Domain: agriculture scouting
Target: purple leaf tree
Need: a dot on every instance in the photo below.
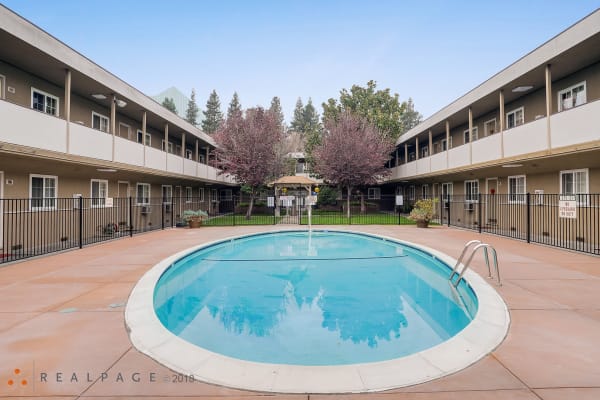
(352, 153)
(249, 149)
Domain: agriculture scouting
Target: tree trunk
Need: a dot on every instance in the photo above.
(362, 203)
(349, 190)
(249, 212)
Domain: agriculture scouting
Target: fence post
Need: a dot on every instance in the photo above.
(528, 205)
(130, 216)
(448, 202)
(80, 222)
(479, 211)
(162, 214)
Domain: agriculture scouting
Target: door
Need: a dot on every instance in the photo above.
(490, 201)
(123, 189)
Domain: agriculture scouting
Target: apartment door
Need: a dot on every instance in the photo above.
(491, 200)
(123, 189)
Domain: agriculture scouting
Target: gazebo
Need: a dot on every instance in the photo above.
(284, 183)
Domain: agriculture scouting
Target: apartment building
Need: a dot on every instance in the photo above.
(532, 128)
(70, 128)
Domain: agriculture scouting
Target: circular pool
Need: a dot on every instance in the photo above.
(320, 311)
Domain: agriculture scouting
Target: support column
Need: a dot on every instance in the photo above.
(182, 145)
(502, 119)
(113, 123)
(68, 107)
(405, 153)
(470, 136)
(144, 134)
(430, 149)
(417, 148)
(447, 142)
(166, 146)
(196, 156)
(548, 106)
(207, 152)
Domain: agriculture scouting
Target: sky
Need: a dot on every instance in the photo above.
(431, 51)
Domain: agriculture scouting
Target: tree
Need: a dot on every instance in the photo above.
(378, 106)
(169, 104)
(213, 117)
(191, 114)
(410, 118)
(298, 120)
(353, 153)
(249, 149)
(311, 130)
(276, 109)
(235, 107)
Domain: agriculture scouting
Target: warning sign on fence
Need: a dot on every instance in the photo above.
(567, 209)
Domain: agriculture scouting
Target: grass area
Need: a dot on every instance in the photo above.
(365, 219)
(230, 220)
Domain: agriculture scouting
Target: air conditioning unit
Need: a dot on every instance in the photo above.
(168, 208)
(146, 210)
(469, 206)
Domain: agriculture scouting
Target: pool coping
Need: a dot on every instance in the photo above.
(487, 330)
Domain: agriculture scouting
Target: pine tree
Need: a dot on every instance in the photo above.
(276, 109)
(169, 104)
(235, 107)
(213, 117)
(191, 114)
(298, 121)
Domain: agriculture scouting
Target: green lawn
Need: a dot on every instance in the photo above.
(230, 220)
(365, 219)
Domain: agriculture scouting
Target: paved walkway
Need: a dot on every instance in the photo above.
(62, 332)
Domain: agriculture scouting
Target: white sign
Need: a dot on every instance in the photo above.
(399, 200)
(567, 209)
(286, 201)
(311, 200)
(108, 202)
(270, 201)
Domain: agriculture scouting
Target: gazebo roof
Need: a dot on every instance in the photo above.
(295, 180)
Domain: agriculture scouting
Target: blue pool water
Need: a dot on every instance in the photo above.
(326, 298)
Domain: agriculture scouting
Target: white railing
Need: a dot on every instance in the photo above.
(87, 142)
(175, 163)
(487, 149)
(189, 167)
(577, 125)
(439, 162)
(524, 139)
(423, 166)
(458, 156)
(155, 158)
(27, 127)
(129, 152)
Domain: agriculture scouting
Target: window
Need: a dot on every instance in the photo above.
(214, 196)
(44, 102)
(471, 191)
(201, 194)
(99, 192)
(124, 130)
(374, 193)
(188, 154)
(167, 194)
(201, 159)
(572, 97)
(411, 192)
(516, 189)
(42, 191)
(226, 195)
(446, 193)
(178, 149)
(170, 146)
(411, 157)
(425, 191)
(574, 183)
(489, 127)
(148, 138)
(143, 193)
(444, 144)
(515, 118)
(188, 194)
(475, 135)
(425, 151)
(100, 122)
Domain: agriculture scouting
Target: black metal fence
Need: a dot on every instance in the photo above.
(31, 227)
(570, 222)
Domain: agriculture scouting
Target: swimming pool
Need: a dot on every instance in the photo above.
(339, 311)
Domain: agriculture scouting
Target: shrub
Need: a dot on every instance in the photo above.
(423, 210)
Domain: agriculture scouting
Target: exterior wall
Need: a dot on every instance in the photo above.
(591, 75)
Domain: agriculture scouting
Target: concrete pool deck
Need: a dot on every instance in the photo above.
(62, 331)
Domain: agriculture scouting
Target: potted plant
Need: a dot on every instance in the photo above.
(423, 212)
(194, 217)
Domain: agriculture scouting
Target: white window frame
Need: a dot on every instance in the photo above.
(411, 192)
(189, 194)
(444, 144)
(374, 193)
(485, 127)
(178, 150)
(121, 124)
(189, 154)
(201, 194)
(171, 146)
(144, 196)
(582, 198)
(514, 112)
(226, 194)
(44, 199)
(472, 196)
(214, 196)
(167, 198)
(424, 151)
(517, 198)
(447, 187)
(466, 135)
(98, 202)
(573, 99)
(424, 191)
(57, 114)
(148, 137)
(101, 118)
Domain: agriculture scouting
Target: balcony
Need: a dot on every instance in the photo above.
(527, 138)
(577, 125)
(87, 142)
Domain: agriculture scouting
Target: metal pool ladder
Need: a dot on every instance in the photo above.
(478, 245)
